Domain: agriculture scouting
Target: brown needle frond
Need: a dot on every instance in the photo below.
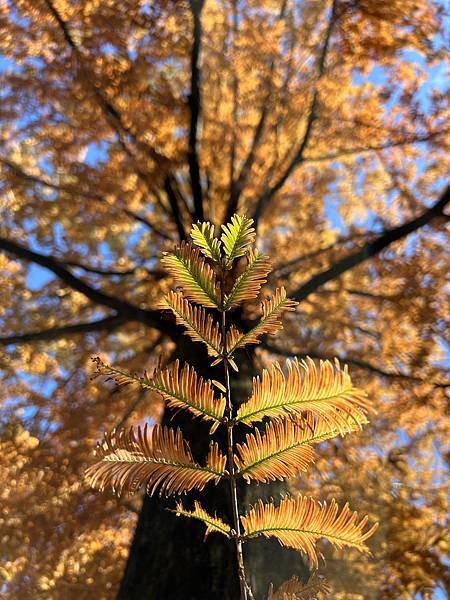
(326, 390)
(200, 326)
(293, 589)
(193, 274)
(283, 450)
(320, 429)
(248, 285)
(212, 523)
(272, 310)
(182, 389)
(216, 461)
(156, 458)
(299, 522)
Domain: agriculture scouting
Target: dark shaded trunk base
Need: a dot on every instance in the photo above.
(169, 560)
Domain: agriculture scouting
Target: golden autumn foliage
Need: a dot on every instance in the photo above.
(326, 122)
(162, 459)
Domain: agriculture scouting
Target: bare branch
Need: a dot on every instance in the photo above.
(312, 116)
(357, 362)
(173, 201)
(157, 273)
(288, 266)
(125, 309)
(43, 181)
(375, 148)
(113, 116)
(238, 185)
(195, 108)
(373, 248)
(232, 203)
(55, 333)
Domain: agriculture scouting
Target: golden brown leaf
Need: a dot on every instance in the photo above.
(272, 310)
(155, 458)
(193, 274)
(182, 389)
(315, 589)
(212, 523)
(327, 391)
(299, 522)
(199, 325)
(248, 285)
(283, 450)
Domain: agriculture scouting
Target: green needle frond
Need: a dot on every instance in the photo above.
(248, 285)
(193, 274)
(237, 237)
(203, 236)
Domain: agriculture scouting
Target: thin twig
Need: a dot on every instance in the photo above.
(230, 448)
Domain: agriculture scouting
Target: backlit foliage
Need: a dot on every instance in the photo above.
(326, 390)
(129, 460)
(161, 460)
(299, 522)
(316, 588)
(182, 389)
(327, 145)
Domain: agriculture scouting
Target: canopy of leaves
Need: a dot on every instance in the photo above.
(327, 123)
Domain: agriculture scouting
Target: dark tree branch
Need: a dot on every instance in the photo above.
(156, 274)
(361, 293)
(173, 201)
(195, 108)
(232, 204)
(141, 219)
(238, 185)
(55, 333)
(123, 308)
(371, 249)
(19, 172)
(113, 117)
(298, 158)
(357, 362)
(288, 266)
(375, 148)
(112, 114)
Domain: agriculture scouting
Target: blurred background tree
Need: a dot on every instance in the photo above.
(122, 123)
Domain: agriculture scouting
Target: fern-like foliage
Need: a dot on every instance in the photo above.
(203, 236)
(316, 588)
(213, 523)
(199, 325)
(285, 447)
(237, 237)
(299, 522)
(270, 323)
(248, 285)
(327, 390)
(193, 274)
(305, 406)
(155, 458)
(283, 450)
(181, 388)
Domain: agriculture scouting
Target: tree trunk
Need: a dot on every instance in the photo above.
(169, 558)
